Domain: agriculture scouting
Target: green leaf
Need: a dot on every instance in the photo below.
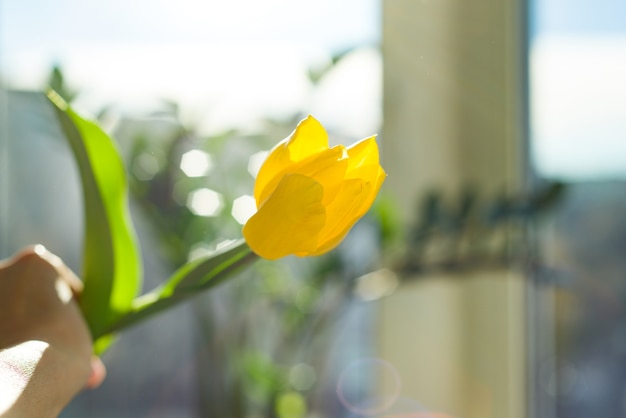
(207, 271)
(111, 259)
(192, 278)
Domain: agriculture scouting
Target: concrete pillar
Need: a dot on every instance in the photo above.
(453, 115)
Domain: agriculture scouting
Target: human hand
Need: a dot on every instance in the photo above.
(45, 345)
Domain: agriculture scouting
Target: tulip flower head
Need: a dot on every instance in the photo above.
(309, 196)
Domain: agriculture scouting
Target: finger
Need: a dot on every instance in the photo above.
(98, 373)
(64, 271)
(72, 280)
(24, 252)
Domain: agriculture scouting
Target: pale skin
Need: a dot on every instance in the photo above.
(45, 346)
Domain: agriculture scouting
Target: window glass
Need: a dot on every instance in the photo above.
(577, 59)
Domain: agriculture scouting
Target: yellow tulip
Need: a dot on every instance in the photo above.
(309, 196)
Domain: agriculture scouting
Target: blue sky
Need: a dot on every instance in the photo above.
(578, 17)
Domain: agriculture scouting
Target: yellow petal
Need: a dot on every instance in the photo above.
(330, 174)
(352, 202)
(376, 183)
(343, 213)
(308, 139)
(290, 219)
(364, 152)
(327, 167)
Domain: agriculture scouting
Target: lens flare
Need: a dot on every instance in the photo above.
(369, 386)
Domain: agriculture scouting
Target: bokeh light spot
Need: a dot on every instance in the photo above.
(243, 208)
(256, 161)
(205, 202)
(290, 405)
(354, 387)
(302, 376)
(196, 163)
(145, 166)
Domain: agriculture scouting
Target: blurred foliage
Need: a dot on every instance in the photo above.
(469, 231)
(266, 339)
(258, 330)
(286, 315)
(56, 82)
(316, 74)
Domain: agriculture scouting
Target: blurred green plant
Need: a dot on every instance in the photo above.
(470, 232)
(291, 312)
(272, 356)
(302, 303)
(112, 265)
(56, 82)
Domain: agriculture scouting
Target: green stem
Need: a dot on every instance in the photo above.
(187, 282)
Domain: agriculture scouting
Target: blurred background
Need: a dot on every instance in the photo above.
(487, 280)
